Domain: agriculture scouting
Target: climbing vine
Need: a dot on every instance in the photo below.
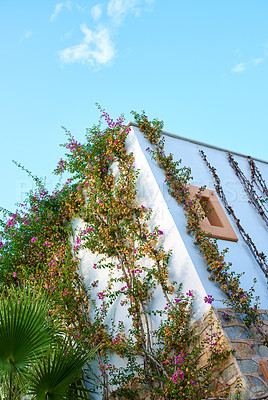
(256, 177)
(249, 189)
(177, 179)
(39, 245)
(260, 257)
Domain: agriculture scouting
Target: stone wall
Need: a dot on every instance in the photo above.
(244, 369)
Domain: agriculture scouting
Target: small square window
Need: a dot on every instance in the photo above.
(216, 222)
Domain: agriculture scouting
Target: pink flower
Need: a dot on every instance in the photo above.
(179, 372)
(33, 239)
(14, 274)
(189, 293)
(100, 295)
(208, 299)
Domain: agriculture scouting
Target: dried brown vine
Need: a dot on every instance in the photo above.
(260, 257)
(249, 189)
(257, 178)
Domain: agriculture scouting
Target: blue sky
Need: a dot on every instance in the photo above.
(201, 66)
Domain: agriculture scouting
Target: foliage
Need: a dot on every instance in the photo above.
(57, 376)
(36, 249)
(177, 179)
(35, 357)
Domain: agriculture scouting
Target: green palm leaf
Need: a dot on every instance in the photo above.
(24, 333)
(35, 357)
(56, 377)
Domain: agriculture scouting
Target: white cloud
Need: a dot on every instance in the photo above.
(96, 49)
(118, 9)
(257, 61)
(96, 12)
(58, 8)
(27, 34)
(56, 11)
(79, 8)
(68, 34)
(254, 62)
(239, 68)
(249, 64)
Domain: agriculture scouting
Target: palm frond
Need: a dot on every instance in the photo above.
(24, 333)
(55, 377)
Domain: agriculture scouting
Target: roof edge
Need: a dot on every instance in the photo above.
(130, 123)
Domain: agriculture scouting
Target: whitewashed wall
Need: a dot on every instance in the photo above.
(186, 265)
(239, 254)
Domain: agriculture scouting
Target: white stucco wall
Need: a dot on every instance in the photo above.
(239, 253)
(187, 264)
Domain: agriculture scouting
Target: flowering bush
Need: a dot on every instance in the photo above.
(177, 178)
(35, 248)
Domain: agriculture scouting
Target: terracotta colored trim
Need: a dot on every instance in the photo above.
(216, 222)
(264, 368)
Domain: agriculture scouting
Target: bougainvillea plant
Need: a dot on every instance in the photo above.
(38, 245)
(177, 178)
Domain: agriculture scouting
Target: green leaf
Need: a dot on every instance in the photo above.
(24, 333)
(55, 377)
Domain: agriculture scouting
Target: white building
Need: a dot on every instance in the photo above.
(247, 245)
